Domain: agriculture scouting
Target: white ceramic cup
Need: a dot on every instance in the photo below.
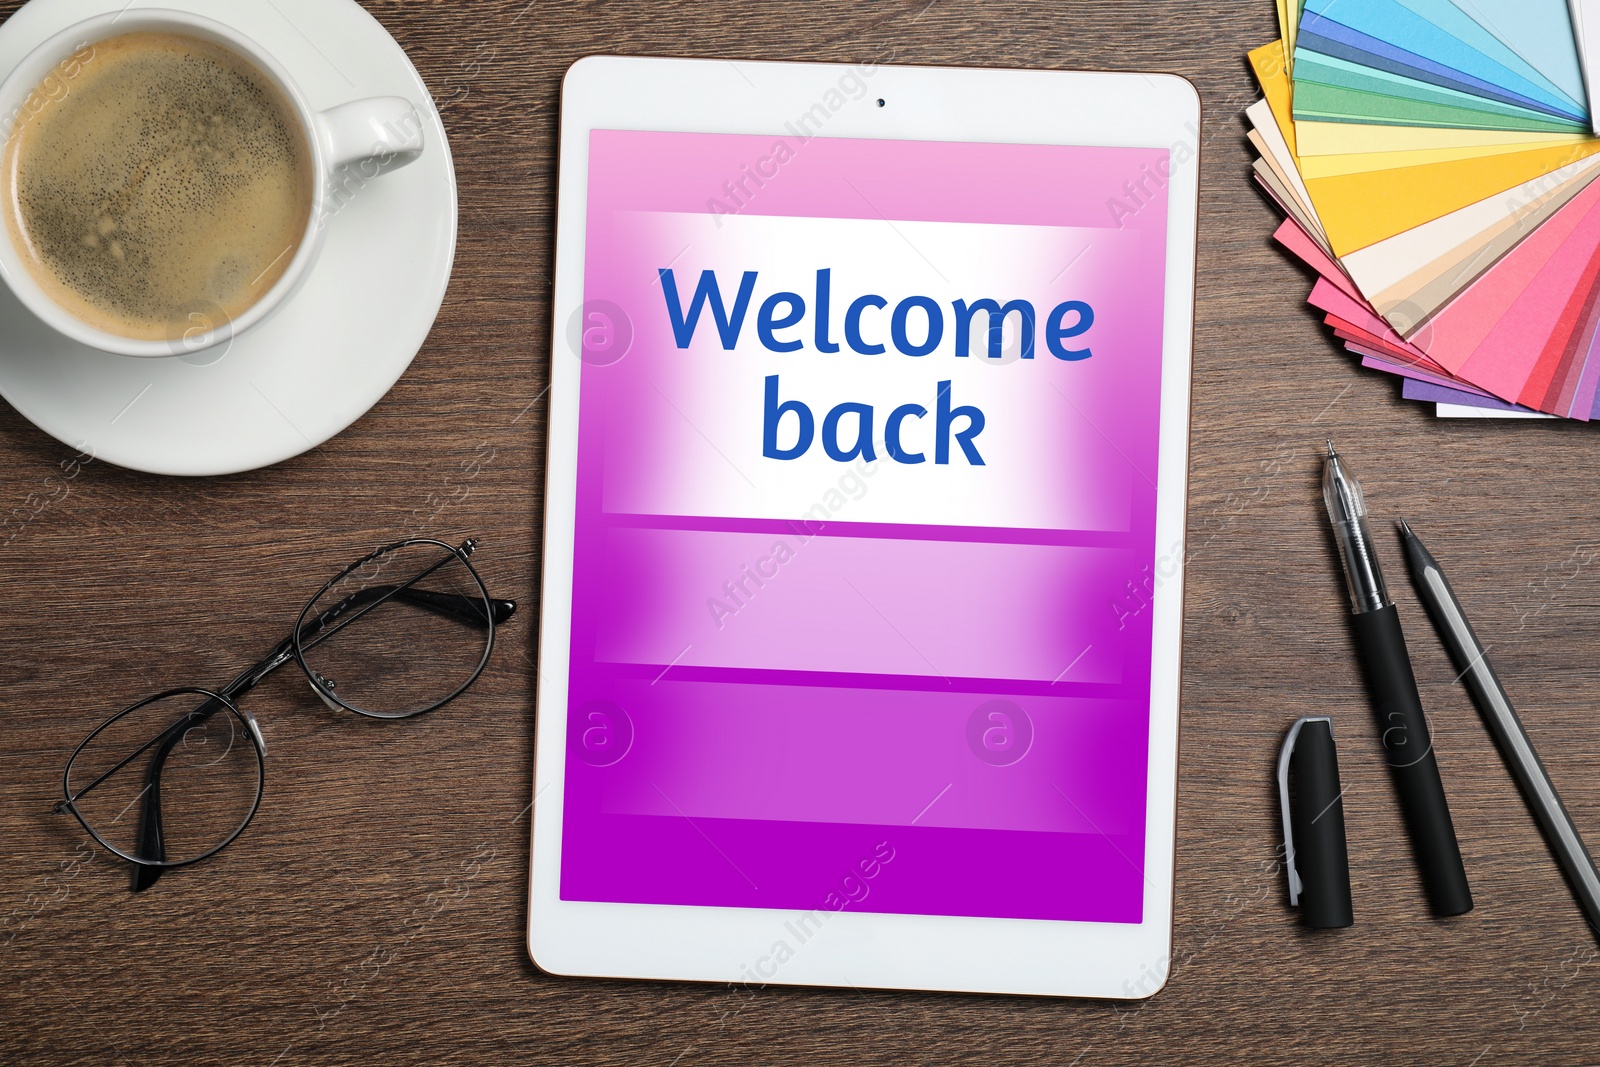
(350, 145)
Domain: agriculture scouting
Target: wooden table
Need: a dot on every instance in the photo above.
(375, 910)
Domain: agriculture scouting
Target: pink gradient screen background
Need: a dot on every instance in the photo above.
(953, 660)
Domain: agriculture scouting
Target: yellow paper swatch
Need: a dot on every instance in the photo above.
(1364, 162)
(1357, 210)
(1348, 138)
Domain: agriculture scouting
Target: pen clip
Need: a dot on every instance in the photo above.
(1296, 887)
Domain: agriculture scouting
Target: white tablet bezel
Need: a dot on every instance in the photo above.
(861, 949)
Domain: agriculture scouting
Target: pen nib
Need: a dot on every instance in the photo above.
(1331, 453)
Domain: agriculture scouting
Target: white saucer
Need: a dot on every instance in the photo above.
(324, 358)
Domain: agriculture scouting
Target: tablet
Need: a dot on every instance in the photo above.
(863, 544)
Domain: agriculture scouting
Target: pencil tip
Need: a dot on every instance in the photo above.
(1406, 526)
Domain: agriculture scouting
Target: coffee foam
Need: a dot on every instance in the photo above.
(166, 188)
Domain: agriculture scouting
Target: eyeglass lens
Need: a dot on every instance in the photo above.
(183, 764)
(399, 634)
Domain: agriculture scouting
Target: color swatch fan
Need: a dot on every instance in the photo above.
(1437, 162)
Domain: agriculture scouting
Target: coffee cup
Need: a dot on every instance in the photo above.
(338, 149)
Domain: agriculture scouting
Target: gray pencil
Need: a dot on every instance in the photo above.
(1490, 696)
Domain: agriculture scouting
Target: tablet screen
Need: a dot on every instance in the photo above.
(865, 525)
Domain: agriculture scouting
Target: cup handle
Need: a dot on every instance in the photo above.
(372, 136)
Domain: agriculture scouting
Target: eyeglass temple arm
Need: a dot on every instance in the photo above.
(466, 609)
(150, 842)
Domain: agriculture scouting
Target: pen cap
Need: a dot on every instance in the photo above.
(1315, 854)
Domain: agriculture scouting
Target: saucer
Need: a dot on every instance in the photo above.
(325, 357)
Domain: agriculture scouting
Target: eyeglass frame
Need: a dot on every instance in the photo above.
(291, 647)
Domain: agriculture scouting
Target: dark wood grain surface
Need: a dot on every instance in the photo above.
(375, 910)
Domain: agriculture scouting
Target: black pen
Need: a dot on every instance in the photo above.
(1407, 745)
(1471, 659)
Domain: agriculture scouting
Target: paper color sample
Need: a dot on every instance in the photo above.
(1321, 101)
(1542, 32)
(1410, 276)
(1329, 166)
(1391, 36)
(1539, 33)
(1293, 236)
(1444, 32)
(1482, 232)
(1412, 389)
(1465, 261)
(1279, 195)
(1328, 297)
(1289, 22)
(1351, 138)
(1526, 329)
(1285, 183)
(1381, 349)
(1468, 260)
(1379, 359)
(1277, 146)
(1491, 326)
(1586, 22)
(1462, 411)
(1358, 210)
(1361, 94)
(1550, 384)
(810, 660)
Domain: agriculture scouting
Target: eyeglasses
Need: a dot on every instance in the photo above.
(177, 777)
